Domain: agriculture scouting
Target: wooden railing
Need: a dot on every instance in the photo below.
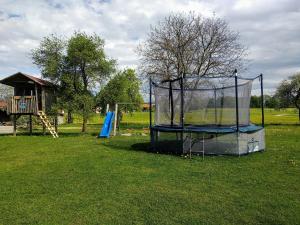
(22, 105)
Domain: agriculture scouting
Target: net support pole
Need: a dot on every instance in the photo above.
(262, 100)
(150, 114)
(182, 103)
(237, 109)
(182, 112)
(171, 103)
(150, 102)
(236, 101)
(215, 95)
(116, 119)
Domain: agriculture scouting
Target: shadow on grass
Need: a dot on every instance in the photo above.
(143, 147)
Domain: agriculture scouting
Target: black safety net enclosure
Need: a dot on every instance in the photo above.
(205, 115)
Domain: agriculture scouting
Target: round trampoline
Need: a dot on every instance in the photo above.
(206, 115)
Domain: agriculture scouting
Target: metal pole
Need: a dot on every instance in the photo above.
(171, 101)
(150, 116)
(182, 112)
(262, 100)
(215, 92)
(116, 119)
(150, 102)
(236, 101)
(203, 146)
(182, 103)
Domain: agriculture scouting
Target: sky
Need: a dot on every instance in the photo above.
(270, 29)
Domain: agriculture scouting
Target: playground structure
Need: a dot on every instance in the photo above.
(115, 115)
(206, 115)
(107, 125)
(33, 97)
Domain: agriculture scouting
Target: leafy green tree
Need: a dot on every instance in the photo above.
(77, 66)
(85, 55)
(271, 102)
(255, 101)
(50, 58)
(288, 92)
(124, 87)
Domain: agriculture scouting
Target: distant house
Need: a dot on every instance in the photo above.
(146, 106)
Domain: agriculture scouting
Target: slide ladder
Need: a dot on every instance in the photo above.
(47, 124)
(107, 126)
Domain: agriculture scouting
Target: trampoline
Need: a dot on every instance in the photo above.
(206, 115)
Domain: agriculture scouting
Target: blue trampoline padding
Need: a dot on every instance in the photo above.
(250, 128)
(209, 129)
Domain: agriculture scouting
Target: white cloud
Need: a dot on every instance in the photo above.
(270, 29)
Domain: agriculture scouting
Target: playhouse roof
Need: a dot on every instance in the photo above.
(22, 78)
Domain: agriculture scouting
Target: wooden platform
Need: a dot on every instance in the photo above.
(6, 129)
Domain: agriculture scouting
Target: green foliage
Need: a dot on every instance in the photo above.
(123, 88)
(288, 92)
(269, 101)
(50, 58)
(76, 65)
(85, 55)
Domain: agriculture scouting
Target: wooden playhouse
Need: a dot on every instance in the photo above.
(33, 97)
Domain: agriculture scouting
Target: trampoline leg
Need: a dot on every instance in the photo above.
(190, 145)
(202, 146)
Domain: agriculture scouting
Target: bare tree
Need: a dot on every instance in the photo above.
(6, 91)
(184, 44)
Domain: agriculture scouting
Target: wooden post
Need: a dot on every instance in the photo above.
(55, 123)
(15, 124)
(43, 100)
(107, 108)
(30, 124)
(36, 98)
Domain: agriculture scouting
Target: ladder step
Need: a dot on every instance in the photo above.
(47, 124)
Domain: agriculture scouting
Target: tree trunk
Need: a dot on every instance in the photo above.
(70, 118)
(84, 123)
(299, 114)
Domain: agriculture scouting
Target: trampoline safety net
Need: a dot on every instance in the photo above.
(205, 116)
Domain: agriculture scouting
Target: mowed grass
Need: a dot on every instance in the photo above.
(79, 179)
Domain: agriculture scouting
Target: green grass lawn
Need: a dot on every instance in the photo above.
(79, 179)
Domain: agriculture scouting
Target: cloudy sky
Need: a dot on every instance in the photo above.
(269, 28)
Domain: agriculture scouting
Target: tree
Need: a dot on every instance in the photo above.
(288, 92)
(184, 44)
(271, 102)
(124, 87)
(255, 101)
(6, 91)
(77, 66)
(86, 57)
(50, 58)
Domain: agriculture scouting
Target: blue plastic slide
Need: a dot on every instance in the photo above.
(107, 126)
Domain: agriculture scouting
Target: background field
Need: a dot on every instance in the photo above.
(79, 179)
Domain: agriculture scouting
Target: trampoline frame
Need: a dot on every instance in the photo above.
(206, 129)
